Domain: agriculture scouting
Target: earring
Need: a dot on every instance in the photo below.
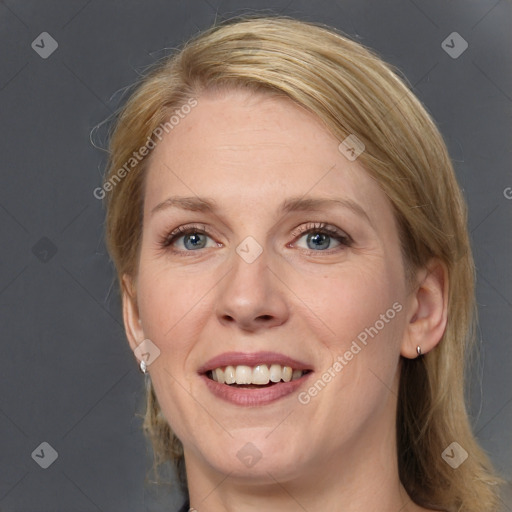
(418, 350)
(147, 377)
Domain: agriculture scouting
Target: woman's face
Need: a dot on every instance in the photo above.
(296, 264)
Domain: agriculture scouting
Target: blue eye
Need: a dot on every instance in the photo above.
(319, 240)
(321, 235)
(194, 241)
(194, 237)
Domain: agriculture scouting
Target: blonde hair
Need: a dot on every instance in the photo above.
(353, 92)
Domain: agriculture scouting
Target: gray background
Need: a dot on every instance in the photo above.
(67, 375)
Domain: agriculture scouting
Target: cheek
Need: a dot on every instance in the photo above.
(348, 301)
(365, 311)
(173, 307)
(172, 304)
(360, 312)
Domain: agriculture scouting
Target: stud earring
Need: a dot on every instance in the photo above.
(418, 350)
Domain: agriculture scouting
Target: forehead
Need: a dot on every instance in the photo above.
(251, 149)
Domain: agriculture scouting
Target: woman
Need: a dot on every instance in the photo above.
(297, 278)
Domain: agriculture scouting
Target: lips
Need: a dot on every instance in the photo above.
(253, 378)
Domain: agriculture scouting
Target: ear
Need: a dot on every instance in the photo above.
(131, 318)
(427, 311)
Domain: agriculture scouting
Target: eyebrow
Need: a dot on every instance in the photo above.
(292, 204)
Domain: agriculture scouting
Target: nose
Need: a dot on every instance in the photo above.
(252, 297)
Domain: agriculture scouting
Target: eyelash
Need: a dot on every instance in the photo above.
(345, 240)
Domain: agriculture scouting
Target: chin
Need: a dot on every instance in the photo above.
(257, 458)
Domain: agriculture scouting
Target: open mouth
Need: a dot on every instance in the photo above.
(254, 377)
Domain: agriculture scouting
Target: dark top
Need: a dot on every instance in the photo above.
(185, 507)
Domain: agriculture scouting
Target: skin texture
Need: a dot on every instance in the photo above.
(249, 151)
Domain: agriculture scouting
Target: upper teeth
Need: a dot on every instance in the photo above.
(260, 374)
